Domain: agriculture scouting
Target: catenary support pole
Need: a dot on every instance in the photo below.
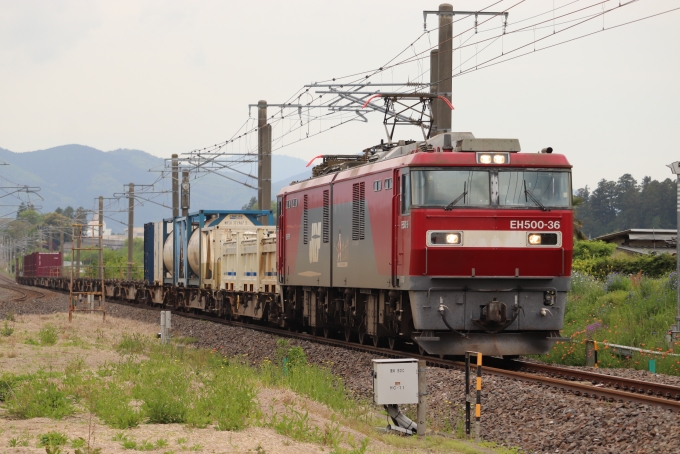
(264, 160)
(445, 60)
(186, 198)
(61, 250)
(175, 186)
(131, 227)
(675, 336)
(422, 398)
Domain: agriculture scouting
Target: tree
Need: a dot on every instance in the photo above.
(69, 212)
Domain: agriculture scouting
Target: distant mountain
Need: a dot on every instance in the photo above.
(75, 175)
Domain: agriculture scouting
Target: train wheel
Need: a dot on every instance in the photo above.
(392, 342)
(362, 337)
(376, 340)
(326, 332)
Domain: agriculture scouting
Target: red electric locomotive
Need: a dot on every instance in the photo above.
(456, 243)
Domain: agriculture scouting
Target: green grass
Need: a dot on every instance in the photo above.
(6, 330)
(635, 311)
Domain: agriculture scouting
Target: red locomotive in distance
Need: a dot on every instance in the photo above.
(456, 243)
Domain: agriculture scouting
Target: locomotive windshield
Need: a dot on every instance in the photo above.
(455, 188)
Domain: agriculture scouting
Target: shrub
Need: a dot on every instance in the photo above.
(48, 335)
(593, 249)
(656, 265)
(616, 281)
(7, 330)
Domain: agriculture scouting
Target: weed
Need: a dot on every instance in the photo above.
(129, 444)
(88, 450)
(296, 427)
(10, 316)
(31, 341)
(146, 446)
(132, 344)
(181, 441)
(52, 439)
(39, 397)
(196, 447)
(48, 335)
(161, 443)
(6, 331)
(20, 441)
(78, 442)
(120, 436)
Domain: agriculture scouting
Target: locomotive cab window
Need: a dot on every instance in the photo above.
(534, 188)
(451, 188)
(405, 194)
(377, 185)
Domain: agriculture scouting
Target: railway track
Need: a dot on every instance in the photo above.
(8, 284)
(586, 384)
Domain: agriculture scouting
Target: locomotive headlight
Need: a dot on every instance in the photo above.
(485, 159)
(499, 159)
(534, 238)
(453, 238)
(444, 238)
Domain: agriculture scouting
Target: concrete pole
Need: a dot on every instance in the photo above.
(434, 83)
(422, 398)
(175, 186)
(131, 225)
(100, 274)
(264, 161)
(49, 240)
(445, 66)
(185, 193)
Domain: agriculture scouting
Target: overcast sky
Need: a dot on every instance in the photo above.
(170, 76)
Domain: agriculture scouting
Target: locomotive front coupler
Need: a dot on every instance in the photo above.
(493, 317)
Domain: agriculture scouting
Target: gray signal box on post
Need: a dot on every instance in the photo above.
(395, 381)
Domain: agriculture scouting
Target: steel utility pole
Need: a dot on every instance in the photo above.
(185, 193)
(175, 186)
(100, 274)
(131, 226)
(675, 329)
(264, 162)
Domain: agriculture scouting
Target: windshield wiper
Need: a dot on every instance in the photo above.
(528, 193)
(449, 207)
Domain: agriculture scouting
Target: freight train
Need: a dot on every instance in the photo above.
(454, 243)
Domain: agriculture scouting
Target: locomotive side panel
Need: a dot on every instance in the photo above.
(355, 262)
(307, 246)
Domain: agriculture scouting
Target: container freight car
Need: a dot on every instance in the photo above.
(42, 264)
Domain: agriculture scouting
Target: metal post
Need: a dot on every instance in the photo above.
(100, 274)
(445, 60)
(185, 193)
(79, 231)
(61, 249)
(264, 161)
(422, 398)
(49, 240)
(675, 335)
(131, 225)
(467, 393)
(434, 84)
(478, 405)
(175, 186)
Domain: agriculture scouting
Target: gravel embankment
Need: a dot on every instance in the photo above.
(515, 414)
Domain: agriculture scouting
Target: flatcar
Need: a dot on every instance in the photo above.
(454, 243)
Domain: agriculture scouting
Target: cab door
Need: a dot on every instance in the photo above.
(401, 212)
(281, 240)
